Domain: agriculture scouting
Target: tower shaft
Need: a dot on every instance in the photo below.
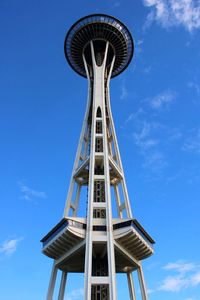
(102, 154)
(99, 175)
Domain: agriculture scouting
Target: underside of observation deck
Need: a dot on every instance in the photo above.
(66, 244)
(99, 28)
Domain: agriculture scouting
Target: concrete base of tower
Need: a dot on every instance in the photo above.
(65, 243)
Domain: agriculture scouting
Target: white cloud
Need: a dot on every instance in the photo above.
(140, 136)
(185, 275)
(143, 142)
(174, 13)
(163, 100)
(153, 139)
(173, 284)
(28, 193)
(195, 279)
(180, 267)
(143, 138)
(148, 146)
(8, 247)
(75, 295)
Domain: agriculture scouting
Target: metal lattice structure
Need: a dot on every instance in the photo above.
(98, 47)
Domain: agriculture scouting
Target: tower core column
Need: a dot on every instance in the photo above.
(99, 169)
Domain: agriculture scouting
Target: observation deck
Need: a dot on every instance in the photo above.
(98, 28)
(66, 243)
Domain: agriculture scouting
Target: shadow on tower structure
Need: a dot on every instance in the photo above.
(98, 47)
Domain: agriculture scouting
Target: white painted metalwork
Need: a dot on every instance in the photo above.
(142, 283)
(95, 242)
(131, 286)
(62, 286)
(52, 283)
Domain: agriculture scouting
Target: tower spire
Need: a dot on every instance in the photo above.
(98, 47)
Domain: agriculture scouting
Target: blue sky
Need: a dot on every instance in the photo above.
(156, 107)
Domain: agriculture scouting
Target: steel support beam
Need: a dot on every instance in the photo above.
(52, 283)
(142, 283)
(131, 286)
(62, 286)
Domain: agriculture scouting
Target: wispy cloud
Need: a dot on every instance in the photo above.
(30, 194)
(162, 100)
(173, 284)
(192, 142)
(180, 267)
(138, 46)
(184, 275)
(134, 116)
(8, 247)
(124, 91)
(143, 139)
(75, 295)
(148, 145)
(152, 138)
(169, 13)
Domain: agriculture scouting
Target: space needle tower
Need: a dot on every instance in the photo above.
(104, 238)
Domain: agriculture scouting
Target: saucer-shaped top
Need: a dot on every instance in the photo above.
(98, 27)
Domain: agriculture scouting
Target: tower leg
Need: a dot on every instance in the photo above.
(62, 286)
(52, 283)
(131, 286)
(142, 284)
